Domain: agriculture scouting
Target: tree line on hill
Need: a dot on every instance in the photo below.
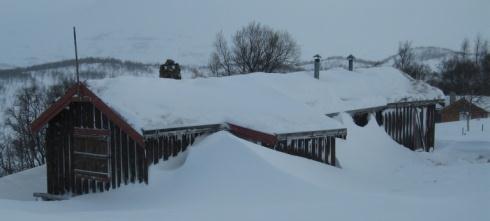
(465, 73)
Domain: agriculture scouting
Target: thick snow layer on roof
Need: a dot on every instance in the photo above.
(247, 100)
(272, 103)
(342, 90)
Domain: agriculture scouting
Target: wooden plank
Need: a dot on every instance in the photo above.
(328, 150)
(332, 154)
(132, 160)
(85, 186)
(139, 156)
(118, 156)
(90, 132)
(166, 148)
(114, 168)
(174, 145)
(97, 118)
(160, 148)
(124, 157)
(93, 185)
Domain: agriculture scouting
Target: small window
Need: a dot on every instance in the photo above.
(91, 153)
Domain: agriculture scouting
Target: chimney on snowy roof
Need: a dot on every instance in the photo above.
(351, 58)
(317, 66)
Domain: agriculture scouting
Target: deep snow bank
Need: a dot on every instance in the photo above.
(20, 186)
(226, 178)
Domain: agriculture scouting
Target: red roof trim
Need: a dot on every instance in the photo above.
(64, 101)
(54, 109)
(246, 133)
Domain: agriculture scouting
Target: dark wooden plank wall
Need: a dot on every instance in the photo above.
(411, 126)
(128, 158)
(321, 149)
(166, 145)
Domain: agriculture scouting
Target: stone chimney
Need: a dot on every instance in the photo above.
(170, 70)
(351, 58)
(317, 66)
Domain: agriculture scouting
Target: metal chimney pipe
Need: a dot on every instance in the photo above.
(317, 66)
(351, 58)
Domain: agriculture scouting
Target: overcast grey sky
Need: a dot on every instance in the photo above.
(151, 30)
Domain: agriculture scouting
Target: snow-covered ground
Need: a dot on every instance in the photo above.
(226, 178)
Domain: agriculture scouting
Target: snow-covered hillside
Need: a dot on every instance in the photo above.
(430, 56)
(35, 32)
(49, 74)
(226, 178)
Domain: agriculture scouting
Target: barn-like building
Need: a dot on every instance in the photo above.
(460, 108)
(106, 133)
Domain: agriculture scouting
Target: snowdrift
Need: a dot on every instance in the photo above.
(226, 178)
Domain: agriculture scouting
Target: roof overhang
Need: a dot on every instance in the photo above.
(209, 128)
(389, 105)
(80, 93)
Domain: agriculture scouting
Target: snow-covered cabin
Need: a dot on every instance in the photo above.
(405, 107)
(106, 132)
(461, 107)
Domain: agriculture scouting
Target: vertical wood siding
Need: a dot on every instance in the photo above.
(127, 162)
(410, 126)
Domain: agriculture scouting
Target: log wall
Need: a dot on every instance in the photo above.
(165, 143)
(410, 126)
(321, 149)
(126, 158)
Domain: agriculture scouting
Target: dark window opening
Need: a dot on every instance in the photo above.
(361, 119)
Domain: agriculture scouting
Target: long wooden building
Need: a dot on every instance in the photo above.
(95, 143)
(106, 133)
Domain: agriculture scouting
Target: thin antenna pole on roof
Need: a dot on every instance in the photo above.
(76, 54)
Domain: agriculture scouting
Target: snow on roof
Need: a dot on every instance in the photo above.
(274, 103)
(341, 90)
(246, 100)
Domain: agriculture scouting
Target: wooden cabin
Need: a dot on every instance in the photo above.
(107, 133)
(96, 144)
(403, 106)
(461, 109)
(411, 124)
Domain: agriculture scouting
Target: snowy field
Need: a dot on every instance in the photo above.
(226, 178)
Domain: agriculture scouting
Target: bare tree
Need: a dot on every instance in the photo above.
(255, 48)
(465, 48)
(27, 147)
(221, 59)
(22, 149)
(405, 57)
(405, 61)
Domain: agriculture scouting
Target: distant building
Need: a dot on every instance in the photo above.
(460, 109)
(170, 69)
